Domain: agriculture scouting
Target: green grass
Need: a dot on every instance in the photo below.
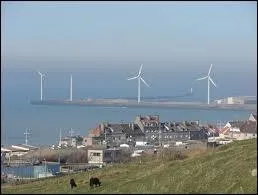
(226, 169)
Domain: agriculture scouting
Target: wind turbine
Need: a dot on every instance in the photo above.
(209, 79)
(41, 75)
(139, 82)
(71, 88)
(26, 136)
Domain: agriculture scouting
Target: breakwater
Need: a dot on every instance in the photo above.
(144, 104)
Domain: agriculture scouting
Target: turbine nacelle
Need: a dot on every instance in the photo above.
(208, 76)
(41, 74)
(139, 77)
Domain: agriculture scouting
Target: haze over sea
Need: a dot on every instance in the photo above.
(46, 121)
(103, 44)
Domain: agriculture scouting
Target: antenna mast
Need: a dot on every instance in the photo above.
(60, 136)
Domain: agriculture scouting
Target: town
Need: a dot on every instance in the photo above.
(110, 143)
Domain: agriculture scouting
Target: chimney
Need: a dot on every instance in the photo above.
(133, 126)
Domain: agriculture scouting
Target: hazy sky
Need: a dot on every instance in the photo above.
(158, 34)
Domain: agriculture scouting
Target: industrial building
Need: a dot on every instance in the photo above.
(237, 100)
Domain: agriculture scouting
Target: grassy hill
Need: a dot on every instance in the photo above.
(226, 169)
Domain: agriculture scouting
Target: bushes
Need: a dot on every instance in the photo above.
(169, 154)
(70, 155)
(125, 156)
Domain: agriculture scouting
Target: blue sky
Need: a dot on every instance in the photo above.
(171, 35)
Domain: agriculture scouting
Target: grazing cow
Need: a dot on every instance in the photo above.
(72, 183)
(94, 181)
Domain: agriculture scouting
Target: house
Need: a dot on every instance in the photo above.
(93, 137)
(239, 130)
(100, 157)
(253, 117)
(148, 129)
(95, 157)
(68, 141)
(87, 141)
(175, 131)
(117, 134)
(147, 121)
(96, 131)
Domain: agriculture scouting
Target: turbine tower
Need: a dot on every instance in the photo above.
(139, 83)
(209, 79)
(26, 136)
(71, 88)
(41, 76)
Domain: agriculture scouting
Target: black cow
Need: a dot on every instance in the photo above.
(94, 181)
(72, 183)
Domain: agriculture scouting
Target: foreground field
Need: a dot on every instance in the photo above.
(227, 169)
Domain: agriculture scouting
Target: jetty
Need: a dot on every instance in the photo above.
(125, 103)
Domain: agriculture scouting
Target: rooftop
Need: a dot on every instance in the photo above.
(244, 126)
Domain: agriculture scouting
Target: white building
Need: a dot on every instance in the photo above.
(253, 117)
(17, 150)
(68, 141)
(239, 130)
(237, 100)
(95, 157)
(100, 157)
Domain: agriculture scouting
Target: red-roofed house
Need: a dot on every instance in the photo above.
(92, 133)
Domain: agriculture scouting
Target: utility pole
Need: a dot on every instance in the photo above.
(105, 132)
(45, 168)
(60, 139)
(60, 136)
(160, 136)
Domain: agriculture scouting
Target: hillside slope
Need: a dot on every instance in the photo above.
(227, 169)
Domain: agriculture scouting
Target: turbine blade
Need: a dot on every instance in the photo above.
(210, 70)
(132, 78)
(144, 82)
(212, 82)
(201, 78)
(40, 73)
(140, 71)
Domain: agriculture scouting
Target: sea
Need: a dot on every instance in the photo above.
(44, 123)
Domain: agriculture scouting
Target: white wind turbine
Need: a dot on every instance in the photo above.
(139, 82)
(41, 76)
(209, 79)
(71, 88)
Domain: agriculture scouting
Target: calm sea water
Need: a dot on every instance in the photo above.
(45, 122)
